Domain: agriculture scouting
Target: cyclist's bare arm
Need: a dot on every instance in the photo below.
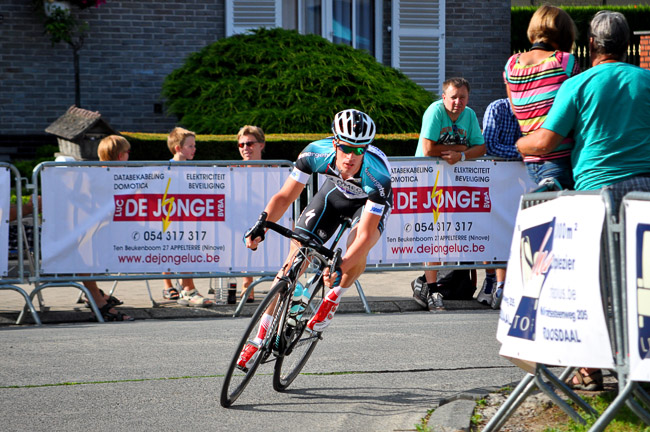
(278, 205)
(360, 240)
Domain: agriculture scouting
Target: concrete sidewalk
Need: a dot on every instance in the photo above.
(386, 292)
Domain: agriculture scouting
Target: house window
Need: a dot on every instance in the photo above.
(356, 23)
(349, 22)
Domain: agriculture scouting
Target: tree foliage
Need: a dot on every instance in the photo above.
(285, 82)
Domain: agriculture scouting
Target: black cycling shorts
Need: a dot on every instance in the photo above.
(326, 211)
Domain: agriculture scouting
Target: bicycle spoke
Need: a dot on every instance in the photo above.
(236, 380)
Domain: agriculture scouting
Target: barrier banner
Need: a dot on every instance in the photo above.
(637, 242)
(153, 219)
(552, 309)
(5, 195)
(449, 213)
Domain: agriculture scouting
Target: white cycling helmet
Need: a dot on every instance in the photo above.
(354, 127)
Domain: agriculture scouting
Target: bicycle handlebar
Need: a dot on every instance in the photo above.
(300, 238)
(303, 239)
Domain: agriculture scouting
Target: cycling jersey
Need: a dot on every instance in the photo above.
(369, 189)
(371, 182)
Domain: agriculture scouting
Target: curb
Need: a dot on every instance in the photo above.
(79, 314)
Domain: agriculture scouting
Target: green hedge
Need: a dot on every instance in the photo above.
(278, 146)
(285, 82)
(638, 17)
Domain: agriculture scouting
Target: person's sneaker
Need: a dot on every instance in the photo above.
(420, 290)
(485, 295)
(247, 354)
(323, 317)
(193, 298)
(497, 296)
(434, 301)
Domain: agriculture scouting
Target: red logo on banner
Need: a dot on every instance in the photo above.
(445, 199)
(179, 207)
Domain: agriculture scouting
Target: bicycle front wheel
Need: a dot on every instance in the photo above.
(236, 380)
(302, 341)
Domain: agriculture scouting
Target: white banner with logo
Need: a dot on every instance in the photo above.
(154, 219)
(637, 243)
(450, 213)
(5, 192)
(552, 310)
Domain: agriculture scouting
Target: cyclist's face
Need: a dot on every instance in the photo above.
(348, 164)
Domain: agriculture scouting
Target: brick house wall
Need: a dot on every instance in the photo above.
(131, 46)
(477, 48)
(644, 49)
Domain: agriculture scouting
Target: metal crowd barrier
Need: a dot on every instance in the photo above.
(613, 294)
(10, 281)
(627, 387)
(42, 281)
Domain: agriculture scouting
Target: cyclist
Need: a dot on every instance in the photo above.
(357, 186)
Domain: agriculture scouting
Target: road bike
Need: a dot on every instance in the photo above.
(288, 342)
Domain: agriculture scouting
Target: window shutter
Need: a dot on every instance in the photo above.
(243, 15)
(418, 41)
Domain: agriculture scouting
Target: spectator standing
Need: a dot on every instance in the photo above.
(608, 110)
(182, 144)
(251, 142)
(110, 148)
(500, 131)
(450, 130)
(532, 81)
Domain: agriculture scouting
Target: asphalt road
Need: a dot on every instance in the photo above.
(379, 372)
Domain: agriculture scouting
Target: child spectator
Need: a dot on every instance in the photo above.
(182, 144)
(111, 148)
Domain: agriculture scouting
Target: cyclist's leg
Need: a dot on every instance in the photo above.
(319, 220)
(330, 302)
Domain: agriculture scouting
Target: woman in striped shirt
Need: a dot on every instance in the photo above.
(532, 80)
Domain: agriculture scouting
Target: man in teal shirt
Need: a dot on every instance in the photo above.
(608, 109)
(450, 130)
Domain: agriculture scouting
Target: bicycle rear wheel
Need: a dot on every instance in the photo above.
(301, 341)
(236, 380)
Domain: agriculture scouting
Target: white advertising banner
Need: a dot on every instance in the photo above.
(552, 310)
(450, 213)
(5, 192)
(637, 244)
(154, 219)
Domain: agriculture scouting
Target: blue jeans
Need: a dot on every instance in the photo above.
(559, 169)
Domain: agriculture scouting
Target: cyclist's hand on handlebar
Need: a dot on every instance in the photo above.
(253, 243)
(255, 235)
(334, 279)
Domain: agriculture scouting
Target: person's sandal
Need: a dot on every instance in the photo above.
(111, 299)
(117, 316)
(586, 382)
(193, 298)
(171, 294)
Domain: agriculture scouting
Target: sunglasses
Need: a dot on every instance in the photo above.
(249, 144)
(349, 149)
